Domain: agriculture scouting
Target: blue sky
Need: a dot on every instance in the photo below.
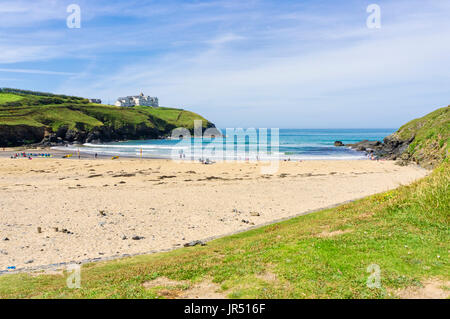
(287, 64)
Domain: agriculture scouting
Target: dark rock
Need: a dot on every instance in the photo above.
(195, 243)
(15, 135)
(391, 148)
(137, 237)
(338, 144)
(29, 261)
(364, 145)
(71, 136)
(5, 239)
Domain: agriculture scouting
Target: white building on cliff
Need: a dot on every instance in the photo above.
(140, 99)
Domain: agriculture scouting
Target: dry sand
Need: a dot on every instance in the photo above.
(104, 203)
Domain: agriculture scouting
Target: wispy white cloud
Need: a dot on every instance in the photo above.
(31, 71)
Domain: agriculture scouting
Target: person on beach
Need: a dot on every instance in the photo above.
(96, 155)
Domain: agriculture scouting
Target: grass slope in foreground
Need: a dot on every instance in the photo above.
(321, 255)
(27, 116)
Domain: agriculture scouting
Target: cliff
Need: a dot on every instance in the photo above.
(28, 117)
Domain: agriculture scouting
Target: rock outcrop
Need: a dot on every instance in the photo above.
(12, 135)
(100, 134)
(391, 148)
(424, 141)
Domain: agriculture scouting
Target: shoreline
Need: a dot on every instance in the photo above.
(8, 152)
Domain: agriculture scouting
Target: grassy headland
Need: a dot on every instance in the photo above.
(27, 117)
(424, 141)
(430, 137)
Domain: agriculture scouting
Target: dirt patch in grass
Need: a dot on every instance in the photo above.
(365, 215)
(51, 272)
(163, 282)
(203, 290)
(173, 289)
(431, 289)
(326, 234)
(268, 276)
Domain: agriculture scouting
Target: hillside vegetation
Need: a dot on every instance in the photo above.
(429, 136)
(31, 117)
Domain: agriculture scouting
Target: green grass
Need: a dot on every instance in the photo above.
(174, 117)
(8, 97)
(404, 231)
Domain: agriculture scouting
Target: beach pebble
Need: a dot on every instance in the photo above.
(5, 239)
(255, 214)
(29, 261)
(124, 237)
(245, 221)
(137, 237)
(3, 252)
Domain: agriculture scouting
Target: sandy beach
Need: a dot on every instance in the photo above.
(57, 210)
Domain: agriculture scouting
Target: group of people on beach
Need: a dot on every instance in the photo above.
(30, 155)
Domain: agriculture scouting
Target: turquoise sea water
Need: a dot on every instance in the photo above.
(294, 144)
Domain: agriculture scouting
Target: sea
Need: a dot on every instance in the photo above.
(283, 144)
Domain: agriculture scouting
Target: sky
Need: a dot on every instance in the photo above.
(254, 63)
